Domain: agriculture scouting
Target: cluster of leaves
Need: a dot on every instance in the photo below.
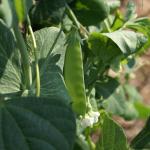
(35, 104)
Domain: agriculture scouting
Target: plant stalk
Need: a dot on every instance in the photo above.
(25, 57)
(38, 85)
(72, 16)
(107, 26)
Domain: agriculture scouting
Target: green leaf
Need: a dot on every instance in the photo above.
(91, 12)
(10, 68)
(143, 109)
(106, 87)
(118, 21)
(141, 25)
(142, 140)
(128, 41)
(51, 62)
(102, 47)
(7, 12)
(113, 137)
(47, 12)
(36, 124)
(12, 11)
(121, 102)
(115, 45)
(130, 11)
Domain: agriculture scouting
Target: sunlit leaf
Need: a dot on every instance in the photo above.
(112, 136)
(50, 62)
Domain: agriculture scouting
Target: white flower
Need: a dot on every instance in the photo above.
(87, 121)
(95, 116)
(90, 119)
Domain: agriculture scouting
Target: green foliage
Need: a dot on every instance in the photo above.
(141, 25)
(141, 141)
(91, 12)
(102, 47)
(112, 136)
(10, 72)
(143, 109)
(121, 102)
(51, 62)
(106, 88)
(123, 42)
(7, 12)
(56, 83)
(47, 12)
(22, 7)
(131, 11)
(113, 5)
(127, 41)
(37, 123)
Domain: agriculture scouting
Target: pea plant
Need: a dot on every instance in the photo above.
(57, 91)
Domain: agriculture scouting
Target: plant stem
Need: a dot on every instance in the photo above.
(91, 143)
(82, 143)
(43, 67)
(107, 26)
(100, 70)
(38, 85)
(72, 16)
(55, 41)
(76, 22)
(25, 57)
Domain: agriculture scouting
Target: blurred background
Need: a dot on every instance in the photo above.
(141, 76)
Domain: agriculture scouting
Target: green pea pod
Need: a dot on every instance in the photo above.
(73, 73)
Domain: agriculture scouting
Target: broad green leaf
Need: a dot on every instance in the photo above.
(117, 45)
(106, 87)
(50, 62)
(36, 124)
(128, 41)
(47, 12)
(22, 7)
(10, 68)
(102, 47)
(121, 102)
(91, 12)
(113, 137)
(6, 12)
(142, 140)
(118, 21)
(12, 11)
(141, 25)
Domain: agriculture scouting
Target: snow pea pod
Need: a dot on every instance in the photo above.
(73, 73)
